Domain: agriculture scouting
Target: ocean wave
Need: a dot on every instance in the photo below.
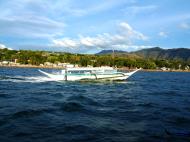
(84, 100)
(71, 106)
(29, 113)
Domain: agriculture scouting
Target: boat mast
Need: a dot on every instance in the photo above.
(66, 73)
(113, 57)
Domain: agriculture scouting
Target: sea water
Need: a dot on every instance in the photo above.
(34, 108)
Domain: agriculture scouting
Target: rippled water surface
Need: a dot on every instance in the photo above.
(34, 108)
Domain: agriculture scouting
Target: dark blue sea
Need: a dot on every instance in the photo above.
(148, 107)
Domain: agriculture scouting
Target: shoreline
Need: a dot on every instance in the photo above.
(154, 70)
(122, 69)
(30, 66)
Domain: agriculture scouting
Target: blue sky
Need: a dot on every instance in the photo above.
(88, 26)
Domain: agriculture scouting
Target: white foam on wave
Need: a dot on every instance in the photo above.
(39, 79)
(127, 82)
(31, 79)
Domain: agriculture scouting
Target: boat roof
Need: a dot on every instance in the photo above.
(89, 68)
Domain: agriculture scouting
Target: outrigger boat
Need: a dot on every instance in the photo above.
(89, 73)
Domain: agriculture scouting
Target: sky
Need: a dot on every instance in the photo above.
(89, 26)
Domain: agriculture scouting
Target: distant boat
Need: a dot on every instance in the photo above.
(90, 73)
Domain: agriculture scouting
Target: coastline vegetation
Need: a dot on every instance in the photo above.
(40, 57)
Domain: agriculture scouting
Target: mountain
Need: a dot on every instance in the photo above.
(159, 53)
(119, 53)
(103, 52)
(154, 53)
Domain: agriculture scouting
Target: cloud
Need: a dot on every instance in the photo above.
(29, 19)
(2, 46)
(90, 8)
(134, 10)
(163, 34)
(128, 31)
(132, 47)
(60, 7)
(65, 42)
(185, 26)
(45, 19)
(123, 38)
(32, 26)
